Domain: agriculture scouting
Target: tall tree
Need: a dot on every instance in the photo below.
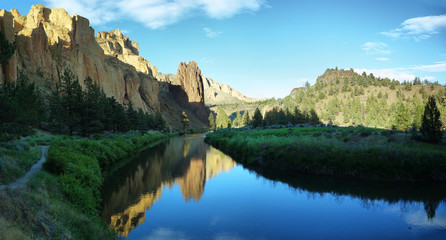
(257, 119)
(431, 125)
(71, 100)
(211, 120)
(245, 118)
(223, 120)
(402, 117)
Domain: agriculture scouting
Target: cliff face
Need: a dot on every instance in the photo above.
(187, 89)
(49, 40)
(216, 93)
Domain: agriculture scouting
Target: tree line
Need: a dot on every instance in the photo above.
(275, 116)
(68, 110)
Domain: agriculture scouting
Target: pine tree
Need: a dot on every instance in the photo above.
(222, 120)
(402, 117)
(132, 117)
(211, 120)
(431, 125)
(257, 119)
(71, 102)
(245, 119)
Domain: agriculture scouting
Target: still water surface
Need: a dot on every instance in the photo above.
(185, 189)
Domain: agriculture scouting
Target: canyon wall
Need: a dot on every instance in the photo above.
(49, 41)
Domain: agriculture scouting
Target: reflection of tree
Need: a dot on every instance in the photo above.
(131, 191)
(368, 192)
(431, 207)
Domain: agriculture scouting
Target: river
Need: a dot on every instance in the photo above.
(185, 189)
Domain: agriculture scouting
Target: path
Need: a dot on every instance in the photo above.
(35, 168)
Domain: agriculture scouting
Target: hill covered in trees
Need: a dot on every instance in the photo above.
(344, 97)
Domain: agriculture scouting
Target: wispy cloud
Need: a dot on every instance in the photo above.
(155, 14)
(391, 73)
(211, 33)
(376, 48)
(418, 28)
(384, 59)
(405, 74)
(437, 67)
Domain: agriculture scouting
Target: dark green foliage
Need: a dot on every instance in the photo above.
(21, 107)
(431, 125)
(80, 165)
(257, 119)
(91, 111)
(364, 153)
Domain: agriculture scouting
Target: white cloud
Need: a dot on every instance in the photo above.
(419, 28)
(391, 73)
(155, 13)
(211, 33)
(405, 74)
(376, 48)
(384, 59)
(438, 67)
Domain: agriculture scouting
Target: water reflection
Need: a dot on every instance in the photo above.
(187, 162)
(240, 206)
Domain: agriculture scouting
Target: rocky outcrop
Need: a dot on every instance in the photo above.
(187, 89)
(49, 40)
(216, 93)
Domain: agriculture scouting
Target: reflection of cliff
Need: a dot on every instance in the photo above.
(187, 162)
(217, 162)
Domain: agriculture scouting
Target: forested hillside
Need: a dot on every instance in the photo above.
(344, 97)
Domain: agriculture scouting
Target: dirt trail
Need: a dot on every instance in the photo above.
(35, 168)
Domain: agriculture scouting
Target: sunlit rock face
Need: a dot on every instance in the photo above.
(49, 40)
(217, 93)
(182, 163)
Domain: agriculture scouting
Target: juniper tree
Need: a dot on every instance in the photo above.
(431, 125)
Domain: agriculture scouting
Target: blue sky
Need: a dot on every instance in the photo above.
(264, 48)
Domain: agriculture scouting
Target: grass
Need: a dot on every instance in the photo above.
(62, 202)
(40, 211)
(363, 153)
(16, 158)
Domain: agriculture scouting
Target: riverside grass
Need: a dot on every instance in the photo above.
(363, 153)
(62, 202)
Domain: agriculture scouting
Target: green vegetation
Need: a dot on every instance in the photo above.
(16, 157)
(21, 108)
(41, 211)
(364, 153)
(63, 202)
(87, 112)
(344, 98)
(222, 120)
(80, 165)
(431, 127)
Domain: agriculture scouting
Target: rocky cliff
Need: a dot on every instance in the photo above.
(187, 88)
(216, 93)
(49, 40)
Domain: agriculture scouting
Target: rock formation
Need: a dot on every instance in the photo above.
(216, 93)
(49, 40)
(187, 89)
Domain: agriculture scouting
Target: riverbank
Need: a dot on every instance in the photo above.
(63, 201)
(362, 153)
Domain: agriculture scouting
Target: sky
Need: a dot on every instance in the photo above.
(265, 48)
